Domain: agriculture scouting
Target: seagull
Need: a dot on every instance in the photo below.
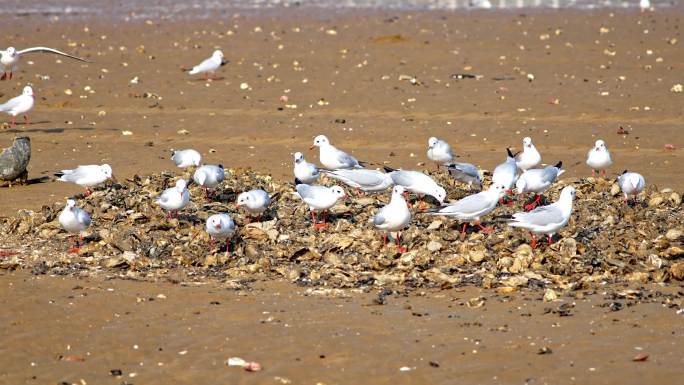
(546, 219)
(598, 158)
(254, 201)
(631, 183)
(86, 176)
(473, 207)
(9, 58)
(465, 173)
(529, 157)
(537, 180)
(362, 179)
(174, 198)
(220, 226)
(74, 220)
(332, 158)
(319, 198)
(394, 217)
(209, 66)
(645, 5)
(19, 105)
(506, 173)
(209, 176)
(417, 182)
(186, 158)
(303, 170)
(439, 151)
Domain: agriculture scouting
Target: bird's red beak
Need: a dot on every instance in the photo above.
(218, 226)
(311, 147)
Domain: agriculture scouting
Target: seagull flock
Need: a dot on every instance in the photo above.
(518, 173)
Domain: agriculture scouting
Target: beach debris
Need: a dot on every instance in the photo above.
(250, 366)
(14, 161)
(677, 88)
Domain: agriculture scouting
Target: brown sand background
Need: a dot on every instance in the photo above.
(315, 339)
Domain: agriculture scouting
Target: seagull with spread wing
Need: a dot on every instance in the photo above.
(9, 58)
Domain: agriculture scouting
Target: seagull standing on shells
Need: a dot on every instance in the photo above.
(209, 176)
(174, 198)
(465, 173)
(394, 217)
(473, 207)
(319, 198)
(417, 182)
(254, 201)
(362, 179)
(332, 158)
(186, 158)
(506, 173)
(529, 157)
(75, 221)
(19, 105)
(546, 219)
(304, 171)
(9, 58)
(87, 176)
(631, 183)
(439, 151)
(598, 158)
(209, 66)
(220, 227)
(537, 180)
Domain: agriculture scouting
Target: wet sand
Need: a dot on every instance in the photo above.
(341, 71)
(97, 325)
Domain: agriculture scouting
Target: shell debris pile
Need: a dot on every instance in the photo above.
(606, 241)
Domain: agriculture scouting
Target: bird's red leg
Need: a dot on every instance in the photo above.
(384, 238)
(313, 217)
(10, 77)
(464, 228)
(603, 173)
(485, 229)
(26, 120)
(534, 203)
(228, 247)
(550, 239)
(319, 225)
(534, 240)
(593, 173)
(402, 248)
(14, 121)
(4, 76)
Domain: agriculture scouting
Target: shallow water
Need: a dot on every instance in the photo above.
(137, 9)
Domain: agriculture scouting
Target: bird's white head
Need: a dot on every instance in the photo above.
(499, 189)
(398, 190)
(432, 141)
(520, 185)
(243, 199)
(107, 170)
(298, 157)
(215, 222)
(320, 140)
(11, 51)
(568, 192)
(527, 142)
(440, 194)
(338, 191)
(600, 145)
(70, 204)
(181, 184)
(218, 54)
(27, 91)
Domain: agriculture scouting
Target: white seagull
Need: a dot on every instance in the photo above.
(546, 219)
(9, 58)
(362, 179)
(319, 198)
(439, 151)
(473, 207)
(74, 220)
(394, 217)
(254, 201)
(418, 183)
(506, 173)
(174, 198)
(209, 66)
(19, 105)
(465, 173)
(332, 158)
(87, 176)
(537, 180)
(529, 157)
(598, 158)
(220, 227)
(186, 158)
(631, 183)
(209, 176)
(304, 171)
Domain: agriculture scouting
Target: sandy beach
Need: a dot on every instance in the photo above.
(378, 83)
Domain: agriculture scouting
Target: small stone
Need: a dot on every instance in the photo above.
(477, 256)
(434, 246)
(655, 201)
(614, 189)
(677, 271)
(676, 199)
(673, 234)
(550, 295)
(434, 225)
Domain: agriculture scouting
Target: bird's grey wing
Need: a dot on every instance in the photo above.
(366, 177)
(346, 159)
(402, 178)
(305, 191)
(50, 50)
(84, 218)
(379, 218)
(540, 216)
(164, 197)
(469, 205)
(550, 174)
(465, 168)
(313, 169)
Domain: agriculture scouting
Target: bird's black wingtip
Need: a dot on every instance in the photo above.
(388, 169)
(58, 174)
(298, 182)
(559, 164)
(624, 172)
